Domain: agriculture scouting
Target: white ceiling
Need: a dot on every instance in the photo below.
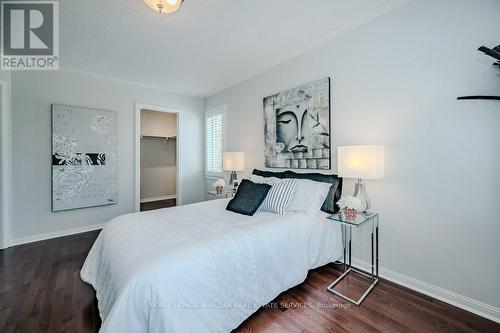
(208, 45)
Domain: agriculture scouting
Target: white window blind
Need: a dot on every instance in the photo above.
(214, 129)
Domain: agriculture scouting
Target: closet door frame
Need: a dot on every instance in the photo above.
(137, 167)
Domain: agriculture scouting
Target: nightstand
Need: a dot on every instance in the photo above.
(213, 195)
(347, 226)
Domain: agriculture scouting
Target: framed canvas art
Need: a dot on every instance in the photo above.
(297, 127)
(84, 151)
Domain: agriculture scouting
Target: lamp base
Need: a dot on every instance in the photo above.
(233, 180)
(360, 193)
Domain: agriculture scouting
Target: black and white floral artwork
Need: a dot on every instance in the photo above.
(83, 157)
(297, 127)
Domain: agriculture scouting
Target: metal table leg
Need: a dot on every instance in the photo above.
(344, 241)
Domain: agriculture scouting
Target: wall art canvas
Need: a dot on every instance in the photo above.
(84, 148)
(297, 127)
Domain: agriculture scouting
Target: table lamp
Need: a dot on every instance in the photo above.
(361, 162)
(234, 161)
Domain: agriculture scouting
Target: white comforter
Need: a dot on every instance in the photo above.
(199, 268)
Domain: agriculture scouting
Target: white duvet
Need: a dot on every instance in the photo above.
(200, 268)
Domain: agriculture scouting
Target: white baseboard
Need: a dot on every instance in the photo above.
(55, 234)
(450, 297)
(166, 197)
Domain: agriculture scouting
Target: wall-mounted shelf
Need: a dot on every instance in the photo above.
(151, 137)
(491, 98)
(494, 53)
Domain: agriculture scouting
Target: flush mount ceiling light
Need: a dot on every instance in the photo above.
(164, 6)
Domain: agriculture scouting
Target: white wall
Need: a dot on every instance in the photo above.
(5, 76)
(158, 157)
(394, 82)
(32, 95)
(4, 142)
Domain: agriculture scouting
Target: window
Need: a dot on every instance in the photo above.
(214, 137)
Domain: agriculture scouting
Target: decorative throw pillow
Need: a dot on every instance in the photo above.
(263, 180)
(268, 174)
(330, 203)
(248, 198)
(309, 196)
(334, 194)
(279, 197)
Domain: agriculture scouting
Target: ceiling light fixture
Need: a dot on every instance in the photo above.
(164, 6)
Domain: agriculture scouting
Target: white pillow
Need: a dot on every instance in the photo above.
(280, 195)
(309, 196)
(263, 180)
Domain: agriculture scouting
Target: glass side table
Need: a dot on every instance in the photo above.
(347, 226)
(211, 195)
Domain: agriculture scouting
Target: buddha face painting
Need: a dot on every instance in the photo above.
(289, 127)
(297, 127)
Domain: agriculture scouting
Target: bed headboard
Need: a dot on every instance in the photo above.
(334, 195)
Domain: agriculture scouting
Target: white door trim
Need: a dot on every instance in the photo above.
(5, 160)
(137, 167)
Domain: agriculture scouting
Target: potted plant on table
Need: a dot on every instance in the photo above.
(219, 185)
(349, 207)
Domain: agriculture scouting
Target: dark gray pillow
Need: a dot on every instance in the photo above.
(268, 174)
(248, 198)
(329, 206)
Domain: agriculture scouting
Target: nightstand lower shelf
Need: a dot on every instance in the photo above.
(351, 269)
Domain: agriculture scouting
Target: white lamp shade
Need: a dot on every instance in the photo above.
(234, 161)
(365, 162)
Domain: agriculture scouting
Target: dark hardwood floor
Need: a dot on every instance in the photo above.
(157, 204)
(41, 291)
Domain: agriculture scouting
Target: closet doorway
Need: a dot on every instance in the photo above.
(157, 158)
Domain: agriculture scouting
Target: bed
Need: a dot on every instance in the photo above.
(201, 268)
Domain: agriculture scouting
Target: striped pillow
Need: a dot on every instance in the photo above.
(280, 196)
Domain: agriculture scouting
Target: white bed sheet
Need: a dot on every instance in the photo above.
(200, 268)
(325, 244)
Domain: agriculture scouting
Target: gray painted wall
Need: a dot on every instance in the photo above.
(158, 157)
(33, 93)
(5, 75)
(158, 168)
(157, 123)
(394, 82)
(4, 119)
